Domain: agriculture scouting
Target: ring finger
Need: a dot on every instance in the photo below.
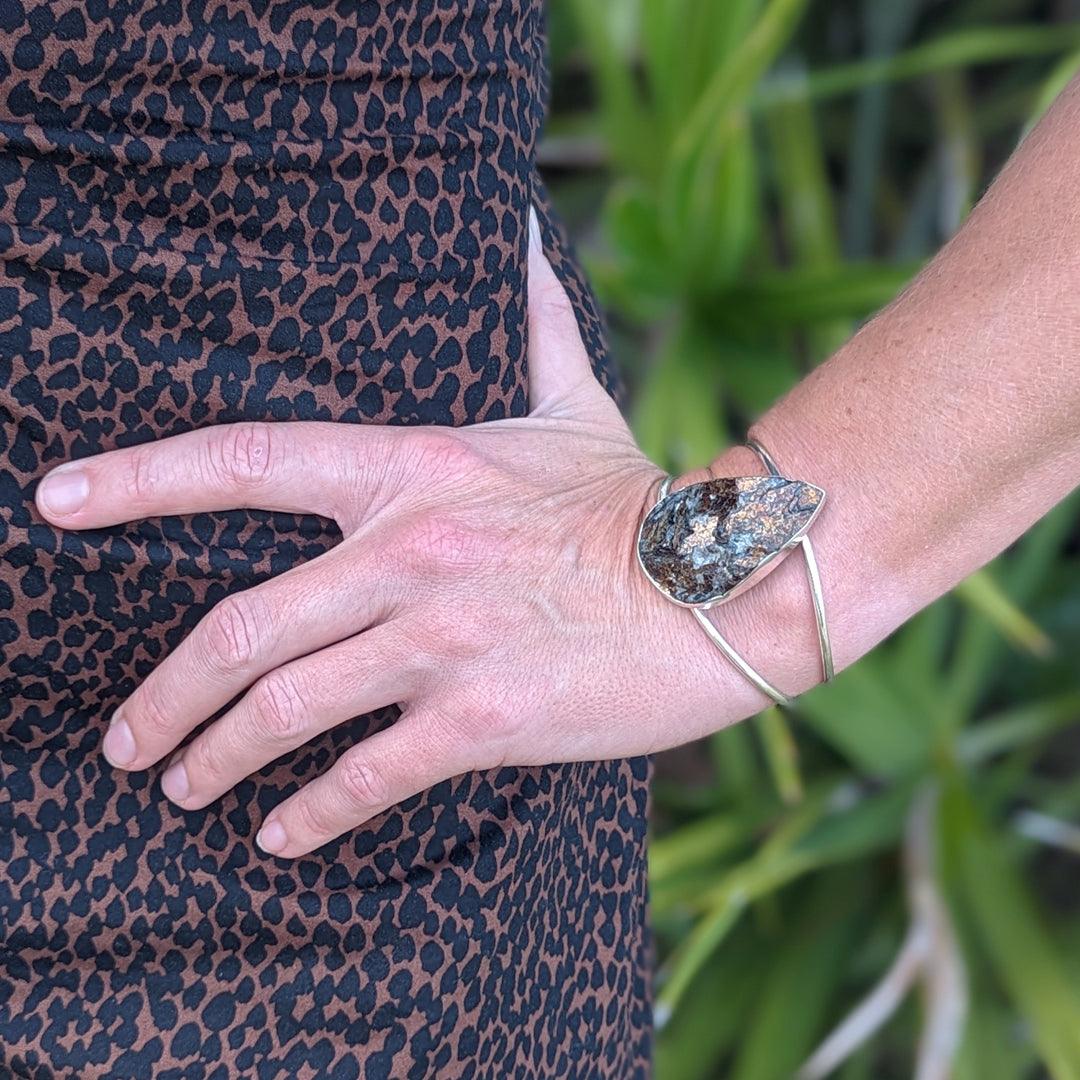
(289, 706)
(244, 636)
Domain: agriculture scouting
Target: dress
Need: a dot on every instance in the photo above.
(225, 209)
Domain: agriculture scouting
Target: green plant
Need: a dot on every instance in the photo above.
(908, 826)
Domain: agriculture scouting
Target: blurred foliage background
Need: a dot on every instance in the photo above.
(883, 883)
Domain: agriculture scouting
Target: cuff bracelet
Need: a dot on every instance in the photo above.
(708, 542)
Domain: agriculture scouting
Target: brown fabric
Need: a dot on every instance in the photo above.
(221, 211)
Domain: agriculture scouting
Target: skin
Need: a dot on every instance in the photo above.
(487, 580)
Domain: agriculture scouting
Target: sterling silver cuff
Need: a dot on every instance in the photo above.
(708, 542)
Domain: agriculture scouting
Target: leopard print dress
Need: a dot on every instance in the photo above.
(215, 210)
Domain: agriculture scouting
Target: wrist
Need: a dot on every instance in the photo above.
(706, 687)
(701, 690)
(771, 624)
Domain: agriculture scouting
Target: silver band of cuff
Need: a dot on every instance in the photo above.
(812, 575)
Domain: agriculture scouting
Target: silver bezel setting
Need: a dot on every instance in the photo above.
(763, 568)
(699, 608)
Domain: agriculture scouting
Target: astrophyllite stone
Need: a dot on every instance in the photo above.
(704, 540)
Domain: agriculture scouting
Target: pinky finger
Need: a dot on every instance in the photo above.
(383, 770)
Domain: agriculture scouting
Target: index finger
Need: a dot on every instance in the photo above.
(297, 466)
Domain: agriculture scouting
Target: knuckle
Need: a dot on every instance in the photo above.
(244, 454)
(141, 477)
(312, 816)
(279, 703)
(436, 542)
(452, 640)
(233, 632)
(148, 713)
(205, 762)
(364, 784)
(448, 724)
(465, 727)
(442, 453)
(489, 718)
(467, 717)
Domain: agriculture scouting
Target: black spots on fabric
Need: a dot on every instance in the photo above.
(272, 211)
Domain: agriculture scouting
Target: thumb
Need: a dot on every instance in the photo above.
(561, 380)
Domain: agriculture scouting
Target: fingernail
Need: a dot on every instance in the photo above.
(271, 837)
(63, 491)
(119, 744)
(534, 229)
(174, 782)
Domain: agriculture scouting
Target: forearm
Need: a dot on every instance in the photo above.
(944, 429)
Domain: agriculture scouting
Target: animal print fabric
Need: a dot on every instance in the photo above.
(220, 210)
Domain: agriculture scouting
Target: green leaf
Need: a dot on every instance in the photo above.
(984, 596)
(1013, 935)
(993, 1049)
(963, 48)
(857, 824)
(639, 257)
(685, 862)
(805, 969)
(678, 419)
(685, 42)
(708, 192)
(806, 206)
(886, 27)
(754, 376)
(711, 1016)
(805, 297)
(733, 81)
(805, 195)
(632, 225)
(629, 126)
(874, 725)
(781, 754)
(976, 666)
(918, 647)
(711, 209)
(1062, 74)
(829, 828)
(738, 773)
(1024, 724)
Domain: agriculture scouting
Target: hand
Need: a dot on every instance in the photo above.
(486, 582)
